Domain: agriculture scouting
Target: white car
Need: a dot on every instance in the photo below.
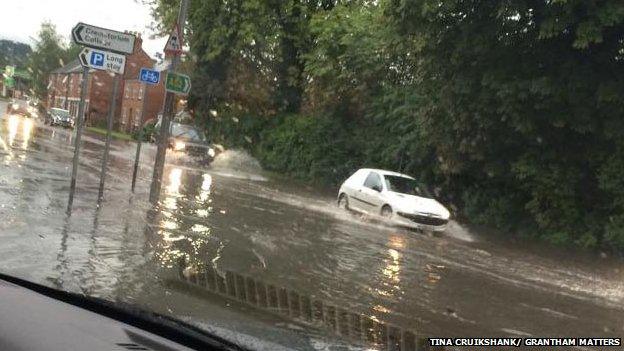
(394, 196)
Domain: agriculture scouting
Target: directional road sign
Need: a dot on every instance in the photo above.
(178, 83)
(102, 60)
(102, 38)
(149, 76)
(174, 43)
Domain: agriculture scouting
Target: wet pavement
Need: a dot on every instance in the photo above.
(230, 219)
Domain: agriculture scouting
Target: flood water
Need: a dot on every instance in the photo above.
(231, 219)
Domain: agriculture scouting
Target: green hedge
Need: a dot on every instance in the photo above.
(326, 149)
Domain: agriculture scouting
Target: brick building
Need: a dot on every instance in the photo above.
(132, 104)
(64, 92)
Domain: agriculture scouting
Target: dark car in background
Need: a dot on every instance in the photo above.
(60, 117)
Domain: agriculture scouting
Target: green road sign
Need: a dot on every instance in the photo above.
(178, 83)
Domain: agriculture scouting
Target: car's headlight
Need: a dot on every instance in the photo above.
(179, 145)
(211, 152)
(15, 106)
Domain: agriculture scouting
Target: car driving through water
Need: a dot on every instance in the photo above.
(396, 197)
(188, 139)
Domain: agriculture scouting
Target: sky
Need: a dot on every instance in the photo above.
(21, 19)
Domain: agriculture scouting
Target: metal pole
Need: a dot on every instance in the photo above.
(67, 91)
(111, 114)
(140, 141)
(80, 120)
(163, 140)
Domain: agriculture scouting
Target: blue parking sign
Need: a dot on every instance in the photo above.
(97, 58)
(149, 76)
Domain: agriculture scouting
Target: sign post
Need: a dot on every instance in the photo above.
(147, 77)
(161, 153)
(81, 115)
(109, 129)
(102, 38)
(106, 49)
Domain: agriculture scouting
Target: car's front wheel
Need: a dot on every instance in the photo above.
(343, 201)
(386, 211)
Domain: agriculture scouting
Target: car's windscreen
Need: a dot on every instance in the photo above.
(186, 131)
(405, 185)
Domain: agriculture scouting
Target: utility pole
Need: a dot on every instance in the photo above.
(163, 140)
(66, 103)
(80, 120)
(111, 114)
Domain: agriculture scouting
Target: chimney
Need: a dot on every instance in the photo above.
(138, 42)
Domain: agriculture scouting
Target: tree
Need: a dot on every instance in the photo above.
(49, 53)
(523, 99)
(265, 40)
(13, 53)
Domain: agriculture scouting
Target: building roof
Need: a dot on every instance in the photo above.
(72, 67)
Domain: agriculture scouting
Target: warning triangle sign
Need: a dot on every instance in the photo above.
(174, 43)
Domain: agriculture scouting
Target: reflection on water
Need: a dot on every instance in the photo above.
(182, 236)
(205, 188)
(390, 271)
(13, 126)
(27, 127)
(175, 180)
(4, 145)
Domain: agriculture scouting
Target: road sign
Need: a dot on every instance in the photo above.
(174, 43)
(178, 83)
(102, 60)
(102, 38)
(149, 76)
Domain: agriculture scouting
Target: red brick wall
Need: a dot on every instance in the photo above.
(133, 104)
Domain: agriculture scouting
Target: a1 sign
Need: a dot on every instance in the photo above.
(103, 60)
(178, 83)
(149, 76)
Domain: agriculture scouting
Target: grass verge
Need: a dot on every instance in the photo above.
(114, 134)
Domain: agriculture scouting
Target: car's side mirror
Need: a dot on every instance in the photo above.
(377, 188)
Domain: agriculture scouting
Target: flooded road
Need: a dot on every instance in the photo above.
(231, 224)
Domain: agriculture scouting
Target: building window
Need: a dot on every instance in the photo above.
(141, 93)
